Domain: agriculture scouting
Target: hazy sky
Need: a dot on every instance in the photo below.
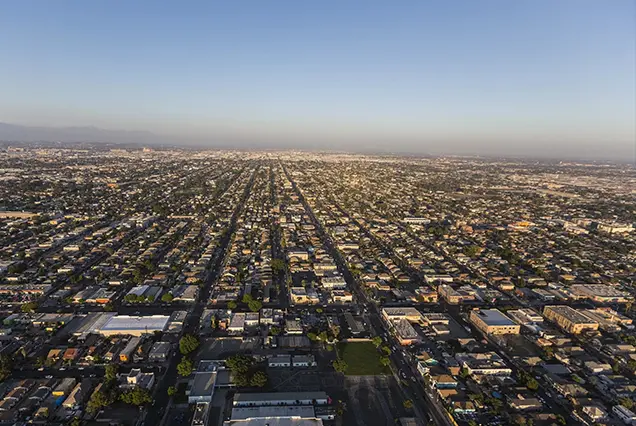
(522, 76)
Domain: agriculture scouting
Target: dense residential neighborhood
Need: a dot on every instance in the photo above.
(173, 287)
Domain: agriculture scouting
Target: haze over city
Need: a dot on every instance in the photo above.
(327, 213)
(494, 78)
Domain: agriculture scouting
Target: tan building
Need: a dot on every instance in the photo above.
(569, 319)
(407, 313)
(493, 321)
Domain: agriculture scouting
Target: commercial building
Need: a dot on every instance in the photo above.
(483, 364)
(201, 388)
(279, 361)
(279, 416)
(395, 314)
(406, 334)
(525, 316)
(280, 398)
(303, 361)
(493, 321)
(599, 293)
(134, 325)
(569, 319)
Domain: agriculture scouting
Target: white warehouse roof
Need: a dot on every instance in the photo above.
(135, 325)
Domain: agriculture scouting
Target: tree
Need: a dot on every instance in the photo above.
(472, 250)
(172, 391)
(386, 350)
(184, 368)
(259, 379)
(29, 307)
(109, 307)
(100, 399)
(532, 384)
(561, 420)
(167, 297)
(231, 304)
(130, 298)
(274, 331)
(239, 363)
(150, 298)
(247, 298)
(319, 310)
(335, 331)
(278, 266)
(6, 364)
(110, 372)
(323, 336)
(377, 341)
(136, 396)
(255, 305)
(340, 366)
(408, 404)
(188, 344)
(312, 336)
(75, 422)
(626, 402)
(385, 361)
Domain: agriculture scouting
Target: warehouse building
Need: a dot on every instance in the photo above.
(134, 325)
(569, 319)
(493, 321)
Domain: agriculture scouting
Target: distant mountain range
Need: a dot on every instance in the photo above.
(18, 133)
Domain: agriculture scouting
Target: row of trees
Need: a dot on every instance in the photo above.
(245, 371)
(138, 298)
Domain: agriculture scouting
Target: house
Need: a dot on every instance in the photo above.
(64, 387)
(137, 378)
(159, 352)
(126, 354)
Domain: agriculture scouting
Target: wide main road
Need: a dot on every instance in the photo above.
(154, 415)
(423, 402)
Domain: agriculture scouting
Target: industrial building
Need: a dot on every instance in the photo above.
(493, 321)
(569, 319)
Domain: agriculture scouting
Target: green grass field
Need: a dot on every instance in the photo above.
(362, 359)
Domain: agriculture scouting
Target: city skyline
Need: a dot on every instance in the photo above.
(540, 79)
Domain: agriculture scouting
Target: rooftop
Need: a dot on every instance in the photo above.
(494, 317)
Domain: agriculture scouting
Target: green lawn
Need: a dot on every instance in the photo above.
(362, 358)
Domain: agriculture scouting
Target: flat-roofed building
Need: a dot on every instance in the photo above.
(134, 325)
(280, 398)
(279, 361)
(406, 334)
(525, 316)
(484, 364)
(402, 313)
(201, 389)
(304, 415)
(569, 319)
(493, 321)
(431, 318)
(599, 293)
(237, 323)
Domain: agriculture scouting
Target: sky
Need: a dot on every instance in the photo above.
(492, 77)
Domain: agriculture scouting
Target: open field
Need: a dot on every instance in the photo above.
(362, 358)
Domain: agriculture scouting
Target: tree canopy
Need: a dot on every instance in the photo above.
(188, 344)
